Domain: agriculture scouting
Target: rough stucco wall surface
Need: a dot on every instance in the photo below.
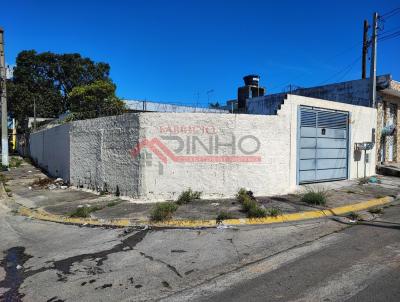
(50, 150)
(383, 119)
(224, 137)
(100, 154)
(156, 156)
(275, 173)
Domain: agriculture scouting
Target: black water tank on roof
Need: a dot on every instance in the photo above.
(251, 80)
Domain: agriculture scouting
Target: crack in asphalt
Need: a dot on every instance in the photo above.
(169, 266)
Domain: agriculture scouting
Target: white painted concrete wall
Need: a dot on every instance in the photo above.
(275, 174)
(50, 150)
(99, 151)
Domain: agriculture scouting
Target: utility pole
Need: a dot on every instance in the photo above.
(373, 61)
(34, 113)
(364, 51)
(4, 122)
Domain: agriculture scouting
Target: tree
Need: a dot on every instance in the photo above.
(48, 79)
(95, 99)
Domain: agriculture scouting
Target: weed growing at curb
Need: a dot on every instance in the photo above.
(273, 212)
(250, 205)
(188, 196)
(241, 194)
(376, 211)
(257, 212)
(84, 212)
(163, 211)
(363, 181)
(7, 189)
(223, 215)
(353, 216)
(316, 196)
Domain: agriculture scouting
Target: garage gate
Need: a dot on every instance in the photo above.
(323, 145)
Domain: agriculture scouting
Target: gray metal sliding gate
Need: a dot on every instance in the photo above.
(322, 145)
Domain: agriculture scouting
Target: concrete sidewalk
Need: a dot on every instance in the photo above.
(54, 203)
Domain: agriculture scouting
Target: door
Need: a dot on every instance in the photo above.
(322, 145)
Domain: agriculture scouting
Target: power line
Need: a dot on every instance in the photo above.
(284, 84)
(343, 72)
(389, 36)
(383, 36)
(389, 30)
(390, 14)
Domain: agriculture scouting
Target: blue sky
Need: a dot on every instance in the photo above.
(176, 51)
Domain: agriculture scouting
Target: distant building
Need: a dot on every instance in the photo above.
(354, 92)
(9, 72)
(231, 106)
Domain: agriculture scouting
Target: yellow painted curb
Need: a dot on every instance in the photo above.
(43, 215)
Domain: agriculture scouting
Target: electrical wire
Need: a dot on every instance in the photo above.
(343, 72)
(346, 50)
(389, 36)
(389, 30)
(390, 14)
(383, 36)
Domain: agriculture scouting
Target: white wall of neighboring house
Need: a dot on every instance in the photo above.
(203, 151)
(50, 149)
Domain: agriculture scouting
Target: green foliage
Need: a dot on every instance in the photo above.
(250, 205)
(376, 211)
(223, 215)
(49, 79)
(15, 162)
(256, 212)
(363, 181)
(274, 212)
(353, 216)
(188, 196)
(84, 212)
(315, 196)
(97, 99)
(7, 189)
(163, 211)
(241, 194)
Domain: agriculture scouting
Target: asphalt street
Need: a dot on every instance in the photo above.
(362, 265)
(319, 260)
